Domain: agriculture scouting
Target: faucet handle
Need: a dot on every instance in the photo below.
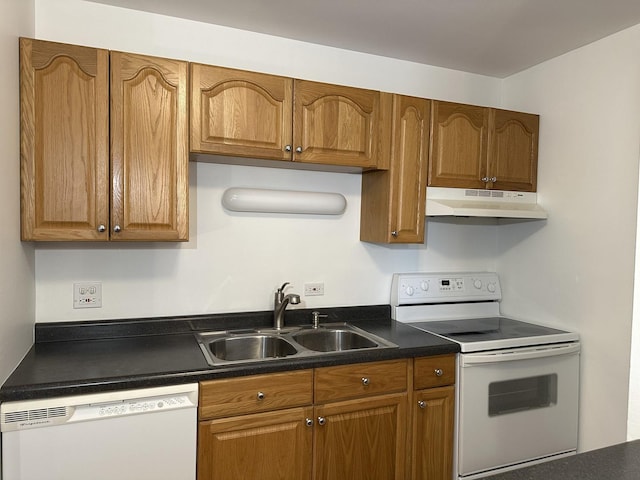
(316, 318)
(284, 285)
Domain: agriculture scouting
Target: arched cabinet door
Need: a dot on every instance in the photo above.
(240, 113)
(513, 150)
(149, 148)
(64, 134)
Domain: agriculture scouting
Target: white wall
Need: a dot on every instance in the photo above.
(579, 269)
(234, 262)
(16, 260)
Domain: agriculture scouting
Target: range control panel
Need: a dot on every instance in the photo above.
(419, 288)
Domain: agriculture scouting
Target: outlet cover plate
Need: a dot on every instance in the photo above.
(87, 295)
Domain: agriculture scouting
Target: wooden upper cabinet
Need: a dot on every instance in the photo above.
(480, 147)
(336, 125)
(513, 150)
(240, 113)
(459, 135)
(149, 148)
(393, 201)
(64, 135)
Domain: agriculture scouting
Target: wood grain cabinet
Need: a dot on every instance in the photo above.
(479, 147)
(254, 115)
(265, 426)
(433, 403)
(104, 145)
(393, 200)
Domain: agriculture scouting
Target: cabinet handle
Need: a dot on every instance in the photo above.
(287, 148)
(438, 372)
(422, 404)
(260, 396)
(485, 179)
(365, 381)
(308, 422)
(394, 233)
(298, 149)
(493, 179)
(117, 229)
(321, 421)
(102, 228)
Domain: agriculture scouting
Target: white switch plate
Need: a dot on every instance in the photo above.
(87, 295)
(313, 289)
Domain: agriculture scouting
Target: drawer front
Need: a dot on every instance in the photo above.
(359, 380)
(435, 371)
(257, 393)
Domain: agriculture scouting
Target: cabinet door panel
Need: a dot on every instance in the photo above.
(513, 149)
(433, 434)
(361, 439)
(409, 168)
(64, 95)
(234, 112)
(267, 446)
(149, 157)
(459, 135)
(336, 125)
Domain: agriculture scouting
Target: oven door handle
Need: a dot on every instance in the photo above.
(530, 353)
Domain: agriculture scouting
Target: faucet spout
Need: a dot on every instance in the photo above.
(280, 305)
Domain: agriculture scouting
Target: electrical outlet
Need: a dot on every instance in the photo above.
(87, 295)
(313, 289)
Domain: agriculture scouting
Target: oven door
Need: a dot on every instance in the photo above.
(516, 406)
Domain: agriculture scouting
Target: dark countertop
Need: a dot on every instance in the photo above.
(72, 358)
(618, 462)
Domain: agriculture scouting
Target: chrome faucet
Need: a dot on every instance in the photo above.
(280, 303)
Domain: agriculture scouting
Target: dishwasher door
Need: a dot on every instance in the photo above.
(147, 434)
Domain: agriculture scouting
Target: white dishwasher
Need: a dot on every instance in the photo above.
(145, 434)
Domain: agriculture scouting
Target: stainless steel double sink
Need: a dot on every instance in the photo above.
(243, 346)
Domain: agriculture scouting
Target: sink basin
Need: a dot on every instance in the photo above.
(332, 340)
(250, 347)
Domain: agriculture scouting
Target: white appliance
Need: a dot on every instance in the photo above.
(517, 382)
(146, 434)
(470, 202)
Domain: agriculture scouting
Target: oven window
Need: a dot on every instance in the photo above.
(522, 394)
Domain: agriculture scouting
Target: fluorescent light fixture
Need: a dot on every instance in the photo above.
(283, 201)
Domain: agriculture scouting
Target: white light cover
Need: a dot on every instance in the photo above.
(283, 201)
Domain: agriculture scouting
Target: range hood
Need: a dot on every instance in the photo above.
(465, 202)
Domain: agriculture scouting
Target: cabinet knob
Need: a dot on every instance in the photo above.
(493, 179)
(102, 228)
(422, 404)
(485, 179)
(287, 148)
(117, 229)
(308, 422)
(298, 149)
(260, 396)
(438, 372)
(365, 381)
(394, 233)
(321, 421)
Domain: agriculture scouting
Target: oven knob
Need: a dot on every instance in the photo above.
(477, 283)
(491, 287)
(409, 290)
(424, 285)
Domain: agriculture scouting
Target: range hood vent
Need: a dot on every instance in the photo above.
(461, 202)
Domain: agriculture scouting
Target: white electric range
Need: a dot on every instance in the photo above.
(517, 382)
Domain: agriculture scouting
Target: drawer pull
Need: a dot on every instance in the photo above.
(438, 372)
(422, 403)
(365, 381)
(321, 421)
(260, 396)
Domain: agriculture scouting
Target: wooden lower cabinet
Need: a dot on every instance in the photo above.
(266, 446)
(433, 420)
(361, 439)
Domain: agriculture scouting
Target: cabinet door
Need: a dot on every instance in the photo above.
(64, 135)
(458, 151)
(149, 148)
(267, 446)
(239, 113)
(433, 434)
(513, 150)
(335, 125)
(362, 439)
